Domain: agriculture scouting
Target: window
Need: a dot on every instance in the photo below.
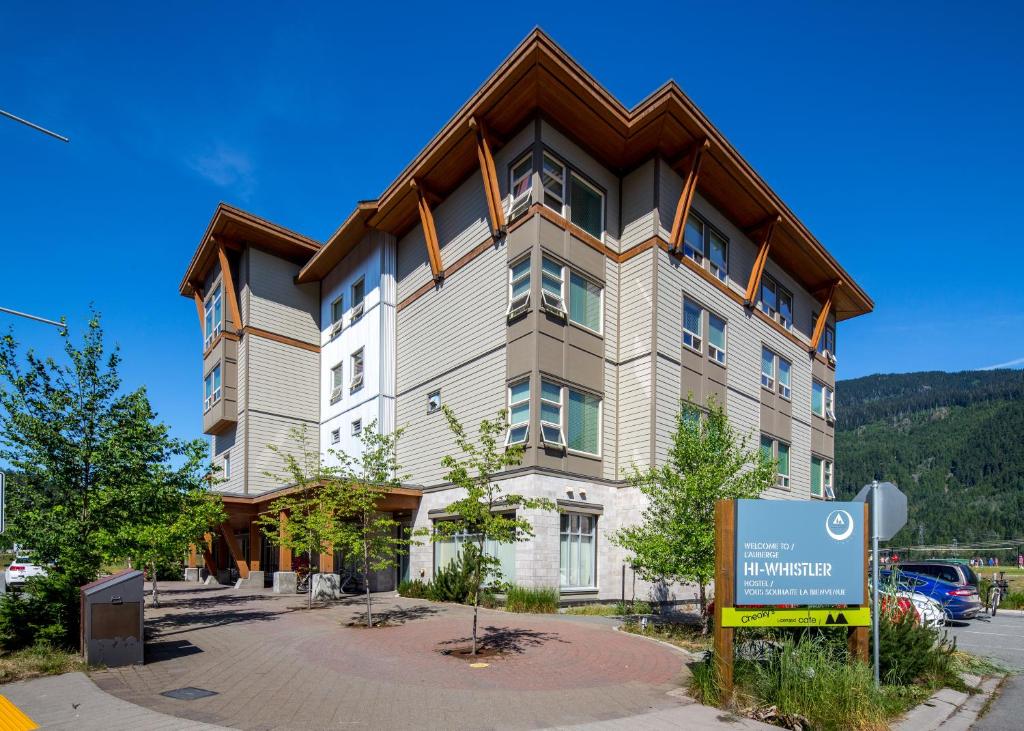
(586, 206)
(434, 401)
(518, 288)
(211, 388)
(693, 314)
(519, 413)
(357, 427)
(337, 309)
(521, 184)
(828, 340)
(776, 301)
(447, 549)
(552, 286)
(823, 401)
(358, 295)
(335, 436)
(551, 415)
(337, 383)
(784, 375)
(357, 371)
(768, 447)
(585, 302)
(830, 492)
(703, 244)
(816, 477)
(768, 369)
(783, 456)
(214, 316)
(227, 466)
(583, 424)
(577, 551)
(553, 179)
(716, 338)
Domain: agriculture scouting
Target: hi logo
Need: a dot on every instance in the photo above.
(839, 525)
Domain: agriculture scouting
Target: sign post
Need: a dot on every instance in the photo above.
(725, 562)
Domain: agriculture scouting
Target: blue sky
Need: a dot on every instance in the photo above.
(893, 133)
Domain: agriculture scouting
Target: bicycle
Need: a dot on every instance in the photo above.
(1000, 587)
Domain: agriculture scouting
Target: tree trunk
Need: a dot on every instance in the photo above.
(476, 593)
(366, 580)
(703, 609)
(156, 598)
(309, 578)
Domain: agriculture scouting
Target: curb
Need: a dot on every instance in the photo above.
(951, 710)
(686, 653)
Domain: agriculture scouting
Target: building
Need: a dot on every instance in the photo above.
(549, 252)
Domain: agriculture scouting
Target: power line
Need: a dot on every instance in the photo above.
(61, 325)
(25, 122)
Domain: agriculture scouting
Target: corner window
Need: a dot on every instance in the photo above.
(552, 286)
(551, 415)
(357, 427)
(706, 246)
(519, 413)
(577, 551)
(357, 371)
(585, 302)
(586, 206)
(211, 388)
(776, 301)
(827, 341)
(214, 317)
(716, 338)
(518, 288)
(553, 179)
(583, 423)
(784, 378)
(767, 369)
(337, 383)
(693, 316)
(434, 401)
(521, 176)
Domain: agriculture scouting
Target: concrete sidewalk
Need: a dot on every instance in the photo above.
(73, 702)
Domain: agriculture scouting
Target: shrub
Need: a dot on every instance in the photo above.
(909, 651)
(454, 582)
(414, 589)
(536, 601)
(47, 612)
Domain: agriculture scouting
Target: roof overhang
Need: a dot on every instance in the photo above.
(235, 228)
(540, 78)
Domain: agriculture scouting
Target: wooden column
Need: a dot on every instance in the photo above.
(429, 232)
(211, 567)
(725, 563)
(193, 557)
(819, 325)
(696, 155)
(859, 638)
(255, 544)
(490, 178)
(229, 288)
(327, 562)
(284, 555)
(234, 550)
(750, 297)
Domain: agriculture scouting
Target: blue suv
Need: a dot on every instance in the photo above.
(959, 601)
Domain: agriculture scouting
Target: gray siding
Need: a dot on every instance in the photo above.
(277, 304)
(283, 379)
(639, 216)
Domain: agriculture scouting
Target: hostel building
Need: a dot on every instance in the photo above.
(549, 252)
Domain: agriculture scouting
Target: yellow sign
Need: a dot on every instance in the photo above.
(770, 617)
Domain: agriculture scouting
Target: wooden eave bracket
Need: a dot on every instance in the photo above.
(767, 231)
(197, 295)
(695, 158)
(819, 325)
(429, 231)
(489, 174)
(229, 286)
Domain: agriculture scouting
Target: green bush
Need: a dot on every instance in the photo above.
(535, 601)
(414, 589)
(909, 651)
(454, 582)
(45, 612)
(1013, 600)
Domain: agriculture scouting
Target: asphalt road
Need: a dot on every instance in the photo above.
(1001, 638)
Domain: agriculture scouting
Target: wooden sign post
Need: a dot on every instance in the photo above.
(725, 599)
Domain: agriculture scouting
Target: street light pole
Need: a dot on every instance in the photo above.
(36, 127)
(874, 574)
(61, 325)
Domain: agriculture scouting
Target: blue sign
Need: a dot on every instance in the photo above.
(799, 552)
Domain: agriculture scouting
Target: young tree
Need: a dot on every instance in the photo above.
(477, 512)
(304, 520)
(79, 446)
(360, 528)
(160, 519)
(707, 462)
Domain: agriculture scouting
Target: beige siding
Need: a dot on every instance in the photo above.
(277, 304)
(636, 306)
(639, 217)
(634, 413)
(283, 379)
(267, 430)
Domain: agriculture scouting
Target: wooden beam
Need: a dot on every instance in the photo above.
(235, 550)
(284, 555)
(725, 562)
(211, 567)
(858, 642)
(255, 544)
(489, 174)
(686, 195)
(197, 295)
(429, 232)
(819, 325)
(229, 287)
(767, 230)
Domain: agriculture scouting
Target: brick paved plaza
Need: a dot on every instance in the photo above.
(276, 665)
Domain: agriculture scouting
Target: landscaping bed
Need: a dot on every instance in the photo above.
(36, 661)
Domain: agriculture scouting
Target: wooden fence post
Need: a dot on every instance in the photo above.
(725, 563)
(859, 637)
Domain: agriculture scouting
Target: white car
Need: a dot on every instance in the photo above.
(20, 569)
(928, 610)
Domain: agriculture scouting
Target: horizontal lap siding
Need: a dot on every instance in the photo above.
(609, 428)
(265, 430)
(277, 304)
(639, 219)
(634, 412)
(636, 306)
(283, 379)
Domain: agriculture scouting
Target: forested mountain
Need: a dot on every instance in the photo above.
(953, 442)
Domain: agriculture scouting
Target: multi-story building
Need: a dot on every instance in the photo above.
(582, 265)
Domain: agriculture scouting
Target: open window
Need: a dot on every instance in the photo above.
(519, 413)
(357, 371)
(518, 289)
(337, 383)
(551, 434)
(553, 287)
(358, 297)
(521, 185)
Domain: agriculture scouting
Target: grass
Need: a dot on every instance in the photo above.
(618, 609)
(34, 662)
(531, 601)
(686, 636)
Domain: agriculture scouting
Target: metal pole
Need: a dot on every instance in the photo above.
(874, 575)
(61, 325)
(34, 126)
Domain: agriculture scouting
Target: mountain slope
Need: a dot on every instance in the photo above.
(953, 442)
